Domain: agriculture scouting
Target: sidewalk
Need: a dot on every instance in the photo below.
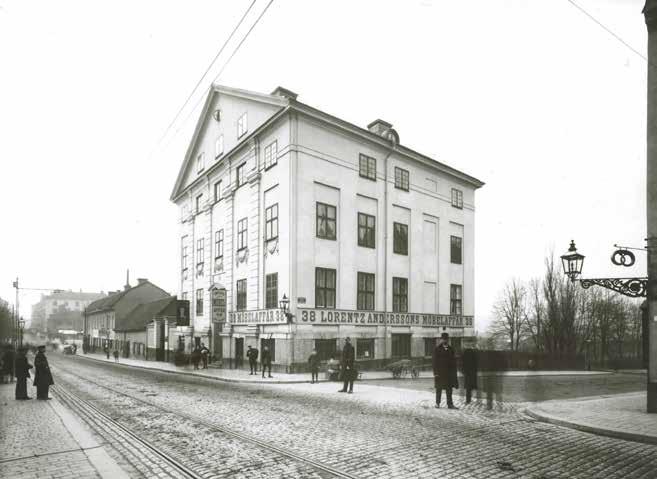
(621, 416)
(43, 440)
(243, 376)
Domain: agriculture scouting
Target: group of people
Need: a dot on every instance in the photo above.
(14, 364)
(265, 360)
(200, 355)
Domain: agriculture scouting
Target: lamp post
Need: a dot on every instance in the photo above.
(21, 323)
(284, 306)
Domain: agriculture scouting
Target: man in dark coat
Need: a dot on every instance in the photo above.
(444, 370)
(42, 376)
(8, 359)
(266, 361)
(470, 370)
(348, 370)
(252, 354)
(204, 355)
(22, 369)
(313, 363)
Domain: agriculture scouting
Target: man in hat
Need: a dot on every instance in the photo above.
(42, 376)
(265, 362)
(444, 370)
(348, 370)
(22, 369)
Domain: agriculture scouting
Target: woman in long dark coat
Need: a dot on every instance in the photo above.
(22, 370)
(42, 376)
(444, 370)
(470, 369)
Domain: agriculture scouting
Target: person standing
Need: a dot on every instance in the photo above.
(107, 351)
(470, 370)
(348, 370)
(266, 361)
(196, 356)
(8, 359)
(42, 376)
(22, 369)
(252, 364)
(116, 355)
(313, 363)
(204, 355)
(444, 370)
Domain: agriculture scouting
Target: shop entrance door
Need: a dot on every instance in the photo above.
(239, 352)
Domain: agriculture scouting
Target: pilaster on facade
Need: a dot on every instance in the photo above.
(229, 247)
(255, 241)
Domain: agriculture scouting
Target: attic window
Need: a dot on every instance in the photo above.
(200, 163)
(219, 146)
(242, 126)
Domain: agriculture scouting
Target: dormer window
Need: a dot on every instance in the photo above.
(200, 162)
(242, 126)
(219, 146)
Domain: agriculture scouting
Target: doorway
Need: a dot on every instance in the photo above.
(239, 352)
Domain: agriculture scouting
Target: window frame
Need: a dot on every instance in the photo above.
(372, 345)
(199, 200)
(367, 229)
(271, 160)
(271, 223)
(370, 167)
(199, 302)
(326, 348)
(400, 184)
(200, 163)
(456, 300)
(323, 291)
(242, 125)
(327, 219)
(457, 198)
(242, 234)
(456, 249)
(271, 291)
(200, 251)
(217, 142)
(399, 297)
(365, 291)
(240, 178)
(240, 295)
(219, 244)
(429, 346)
(217, 191)
(397, 246)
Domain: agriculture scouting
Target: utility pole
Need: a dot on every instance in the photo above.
(650, 13)
(16, 313)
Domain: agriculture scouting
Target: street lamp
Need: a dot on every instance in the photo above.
(572, 262)
(284, 305)
(21, 323)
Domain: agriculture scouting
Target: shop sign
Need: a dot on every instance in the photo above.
(262, 316)
(218, 305)
(365, 318)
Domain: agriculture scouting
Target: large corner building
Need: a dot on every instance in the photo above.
(366, 237)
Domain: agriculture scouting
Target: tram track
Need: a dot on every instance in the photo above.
(86, 406)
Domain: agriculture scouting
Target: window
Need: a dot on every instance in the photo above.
(367, 167)
(271, 222)
(365, 348)
(366, 230)
(200, 250)
(271, 288)
(271, 344)
(457, 198)
(271, 154)
(401, 178)
(325, 221)
(199, 203)
(242, 232)
(456, 250)
(365, 296)
(184, 296)
(324, 288)
(400, 238)
(219, 146)
(219, 244)
(200, 162)
(399, 295)
(241, 295)
(326, 349)
(242, 126)
(183, 249)
(401, 345)
(455, 300)
(240, 175)
(217, 191)
(199, 302)
(429, 345)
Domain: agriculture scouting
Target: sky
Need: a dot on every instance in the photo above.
(532, 97)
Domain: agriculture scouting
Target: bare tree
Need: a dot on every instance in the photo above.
(510, 312)
(534, 329)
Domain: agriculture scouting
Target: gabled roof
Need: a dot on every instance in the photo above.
(141, 315)
(287, 101)
(108, 303)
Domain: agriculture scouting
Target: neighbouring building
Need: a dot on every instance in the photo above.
(366, 237)
(105, 320)
(61, 310)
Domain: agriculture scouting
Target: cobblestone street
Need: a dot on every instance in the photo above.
(377, 432)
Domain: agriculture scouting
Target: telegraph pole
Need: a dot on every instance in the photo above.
(16, 314)
(650, 13)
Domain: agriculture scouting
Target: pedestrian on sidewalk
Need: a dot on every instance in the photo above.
(22, 368)
(42, 376)
(196, 356)
(444, 370)
(470, 370)
(107, 351)
(252, 360)
(8, 358)
(204, 355)
(494, 380)
(313, 362)
(348, 370)
(116, 355)
(266, 361)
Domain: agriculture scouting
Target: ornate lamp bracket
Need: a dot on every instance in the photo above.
(633, 287)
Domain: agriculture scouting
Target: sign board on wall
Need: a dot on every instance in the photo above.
(373, 318)
(262, 316)
(219, 305)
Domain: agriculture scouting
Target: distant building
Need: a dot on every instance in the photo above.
(61, 310)
(366, 237)
(104, 316)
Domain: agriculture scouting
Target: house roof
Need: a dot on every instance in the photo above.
(107, 303)
(287, 101)
(141, 315)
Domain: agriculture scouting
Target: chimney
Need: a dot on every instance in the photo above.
(284, 93)
(127, 280)
(142, 280)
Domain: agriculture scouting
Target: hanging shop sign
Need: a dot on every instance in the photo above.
(365, 318)
(218, 305)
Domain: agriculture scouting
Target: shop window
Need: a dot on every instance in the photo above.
(429, 345)
(401, 345)
(326, 349)
(271, 344)
(365, 348)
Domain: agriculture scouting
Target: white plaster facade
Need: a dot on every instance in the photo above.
(317, 160)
